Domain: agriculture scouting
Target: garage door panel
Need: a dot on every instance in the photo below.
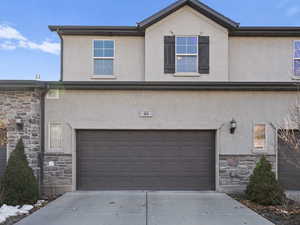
(143, 151)
(135, 160)
(88, 174)
(158, 160)
(143, 183)
(147, 166)
(158, 168)
(175, 146)
(288, 167)
(146, 172)
(152, 135)
(140, 152)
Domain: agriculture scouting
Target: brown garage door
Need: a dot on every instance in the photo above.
(145, 160)
(288, 167)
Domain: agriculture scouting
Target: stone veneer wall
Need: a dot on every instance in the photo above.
(23, 104)
(235, 170)
(57, 173)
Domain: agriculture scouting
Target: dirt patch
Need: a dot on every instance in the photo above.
(287, 214)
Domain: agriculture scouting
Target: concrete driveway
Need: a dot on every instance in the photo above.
(144, 208)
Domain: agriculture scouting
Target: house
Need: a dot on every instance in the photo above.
(186, 100)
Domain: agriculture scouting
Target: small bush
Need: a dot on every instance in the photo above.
(263, 188)
(19, 185)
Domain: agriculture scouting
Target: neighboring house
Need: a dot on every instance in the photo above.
(186, 100)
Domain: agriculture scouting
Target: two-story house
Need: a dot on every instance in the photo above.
(186, 100)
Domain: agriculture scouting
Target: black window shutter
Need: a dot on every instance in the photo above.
(169, 54)
(203, 45)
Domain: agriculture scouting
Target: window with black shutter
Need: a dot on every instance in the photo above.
(186, 54)
(169, 54)
(203, 54)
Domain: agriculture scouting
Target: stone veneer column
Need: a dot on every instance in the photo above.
(58, 176)
(235, 170)
(23, 104)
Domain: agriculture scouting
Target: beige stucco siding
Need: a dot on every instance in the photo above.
(128, 62)
(142, 58)
(261, 58)
(186, 21)
(172, 110)
(178, 110)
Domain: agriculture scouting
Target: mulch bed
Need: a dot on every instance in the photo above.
(287, 214)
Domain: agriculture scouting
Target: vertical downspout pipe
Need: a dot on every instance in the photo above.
(43, 96)
(41, 159)
(61, 54)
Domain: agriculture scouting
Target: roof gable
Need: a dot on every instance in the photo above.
(195, 4)
(139, 30)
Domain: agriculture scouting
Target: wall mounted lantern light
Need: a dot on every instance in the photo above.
(233, 125)
(19, 124)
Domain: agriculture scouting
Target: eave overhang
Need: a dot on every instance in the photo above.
(185, 86)
(21, 84)
(147, 85)
(265, 32)
(98, 30)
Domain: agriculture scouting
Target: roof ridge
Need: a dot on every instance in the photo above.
(197, 5)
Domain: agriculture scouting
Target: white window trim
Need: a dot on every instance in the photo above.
(295, 77)
(108, 76)
(260, 150)
(54, 150)
(53, 97)
(190, 74)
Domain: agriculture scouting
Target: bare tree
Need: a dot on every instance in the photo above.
(3, 137)
(289, 133)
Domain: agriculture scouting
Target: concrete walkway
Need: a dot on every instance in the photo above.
(144, 208)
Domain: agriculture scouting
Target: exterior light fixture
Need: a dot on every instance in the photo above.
(233, 125)
(19, 124)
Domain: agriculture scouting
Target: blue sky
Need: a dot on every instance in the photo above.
(27, 47)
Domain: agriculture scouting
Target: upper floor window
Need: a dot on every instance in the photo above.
(103, 56)
(259, 136)
(187, 54)
(297, 58)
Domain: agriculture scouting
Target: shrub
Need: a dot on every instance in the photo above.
(263, 188)
(19, 185)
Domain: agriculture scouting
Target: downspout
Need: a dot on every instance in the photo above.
(275, 148)
(61, 54)
(43, 95)
(41, 158)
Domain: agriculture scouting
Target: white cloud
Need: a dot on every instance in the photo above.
(7, 32)
(46, 46)
(10, 39)
(293, 10)
(7, 45)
